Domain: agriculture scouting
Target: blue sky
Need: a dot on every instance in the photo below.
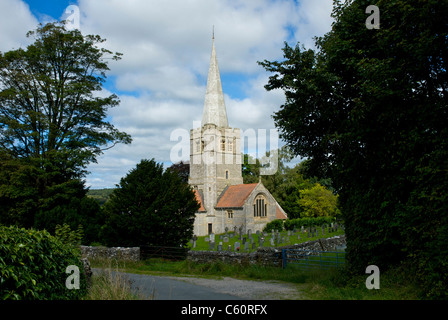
(166, 46)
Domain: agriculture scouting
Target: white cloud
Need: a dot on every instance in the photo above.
(15, 21)
(166, 48)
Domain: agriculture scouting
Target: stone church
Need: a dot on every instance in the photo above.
(215, 171)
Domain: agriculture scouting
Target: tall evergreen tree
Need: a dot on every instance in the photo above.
(150, 206)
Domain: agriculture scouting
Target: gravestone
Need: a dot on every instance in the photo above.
(244, 240)
(211, 246)
(272, 242)
(236, 246)
(219, 249)
(225, 239)
(229, 248)
(253, 245)
(212, 237)
(207, 239)
(246, 246)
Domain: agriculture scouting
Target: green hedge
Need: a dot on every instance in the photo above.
(290, 224)
(33, 266)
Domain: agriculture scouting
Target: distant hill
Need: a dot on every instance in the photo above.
(100, 195)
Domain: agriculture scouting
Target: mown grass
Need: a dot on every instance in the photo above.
(315, 284)
(201, 244)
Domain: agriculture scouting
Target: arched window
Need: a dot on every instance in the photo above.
(260, 206)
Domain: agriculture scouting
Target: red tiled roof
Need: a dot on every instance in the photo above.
(234, 196)
(199, 200)
(280, 213)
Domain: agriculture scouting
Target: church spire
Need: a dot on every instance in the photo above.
(214, 107)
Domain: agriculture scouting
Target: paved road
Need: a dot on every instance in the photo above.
(164, 288)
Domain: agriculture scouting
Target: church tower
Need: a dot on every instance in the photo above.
(215, 152)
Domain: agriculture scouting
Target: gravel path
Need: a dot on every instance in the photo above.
(192, 288)
(249, 289)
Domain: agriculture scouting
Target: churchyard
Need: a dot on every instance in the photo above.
(236, 241)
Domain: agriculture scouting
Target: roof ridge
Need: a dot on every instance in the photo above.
(222, 193)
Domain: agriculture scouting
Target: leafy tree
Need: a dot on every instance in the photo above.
(52, 122)
(318, 202)
(284, 185)
(369, 109)
(48, 109)
(150, 206)
(250, 169)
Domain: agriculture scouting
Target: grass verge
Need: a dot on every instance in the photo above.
(108, 284)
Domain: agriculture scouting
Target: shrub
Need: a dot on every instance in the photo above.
(33, 266)
(274, 225)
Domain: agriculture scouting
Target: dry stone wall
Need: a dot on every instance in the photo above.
(268, 256)
(118, 253)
